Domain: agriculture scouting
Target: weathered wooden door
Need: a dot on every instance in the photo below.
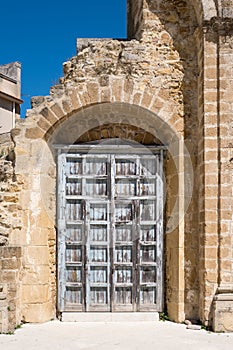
(110, 230)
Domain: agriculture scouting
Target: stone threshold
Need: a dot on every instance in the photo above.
(110, 317)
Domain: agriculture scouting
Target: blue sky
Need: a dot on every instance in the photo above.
(42, 35)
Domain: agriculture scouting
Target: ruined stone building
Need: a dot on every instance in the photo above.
(116, 190)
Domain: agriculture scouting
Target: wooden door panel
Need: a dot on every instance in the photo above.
(74, 233)
(147, 275)
(147, 254)
(73, 187)
(73, 274)
(73, 253)
(123, 212)
(147, 297)
(99, 211)
(124, 297)
(96, 166)
(148, 233)
(147, 210)
(73, 297)
(98, 233)
(125, 167)
(123, 275)
(98, 297)
(125, 187)
(123, 233)
(147, 187)
(148, 166)
(98, 254)
(73, 166)
(99, 274)
(97, 187)
(74, 210)
(123, 254)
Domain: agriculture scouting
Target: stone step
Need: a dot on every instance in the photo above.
(110, 317)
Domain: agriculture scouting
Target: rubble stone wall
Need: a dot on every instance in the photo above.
(10, 283)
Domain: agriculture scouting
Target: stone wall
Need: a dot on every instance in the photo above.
(10, 223)
(10, 282)
(10, 186)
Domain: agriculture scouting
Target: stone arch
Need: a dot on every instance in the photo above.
(72, 127)
(50, 114)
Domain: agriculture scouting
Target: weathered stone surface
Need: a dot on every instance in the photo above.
(36, 101)
(33, 133)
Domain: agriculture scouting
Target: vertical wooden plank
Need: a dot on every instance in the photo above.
(160, 205)
(84, 256)
(109, 240)
(137, 237)
(87, 256)
(112, 194)
(61, 206)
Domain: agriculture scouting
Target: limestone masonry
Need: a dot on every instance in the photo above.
(170, 83)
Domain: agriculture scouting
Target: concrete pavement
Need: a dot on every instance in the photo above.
(57, 335)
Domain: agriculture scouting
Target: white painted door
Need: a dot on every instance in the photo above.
(110, 231)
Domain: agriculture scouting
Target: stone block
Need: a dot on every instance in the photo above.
(222, 313)
(9, 276)
(36, 274)
(36, 294)
(33, 133)
(38, 313)
(75, 100)
(4, 325)
(37, 255)
(44, 124)
(117, 89)
(9, 252)
(105, 94)
(67, 105)
(57, 110)
(39, 237)
(48, 115)
(11, 264)
(93, 91)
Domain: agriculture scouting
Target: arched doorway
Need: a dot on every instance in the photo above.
(131, 123)
(110, 226)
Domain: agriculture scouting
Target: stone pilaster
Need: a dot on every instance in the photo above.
(220, 79)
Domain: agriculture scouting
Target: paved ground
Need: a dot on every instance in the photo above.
(56, 335)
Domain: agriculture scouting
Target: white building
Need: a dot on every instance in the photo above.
(10, 93)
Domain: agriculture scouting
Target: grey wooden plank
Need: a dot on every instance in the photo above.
(61, 230)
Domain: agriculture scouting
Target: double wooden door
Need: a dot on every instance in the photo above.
(110, 231)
